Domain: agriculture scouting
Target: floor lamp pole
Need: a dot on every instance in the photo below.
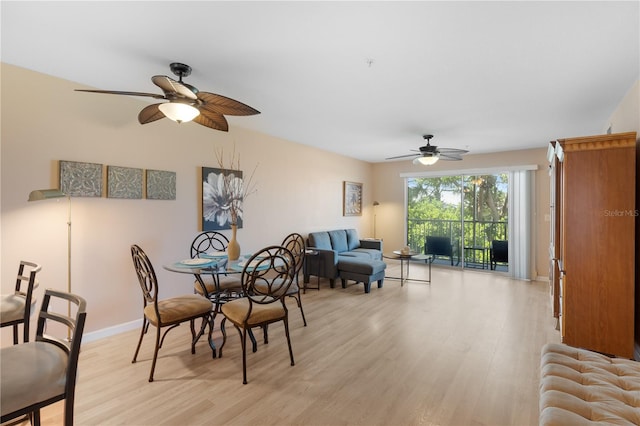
(45, 194)
(69, 263)
(375, 204)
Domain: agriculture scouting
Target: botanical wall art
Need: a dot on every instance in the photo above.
(81, 179)
(124, 182)
(161, 185)
(352, 199)
(222, 196)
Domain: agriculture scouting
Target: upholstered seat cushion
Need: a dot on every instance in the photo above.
(226, 282)
(31, 372)
(236, 311)
(583, 387)
(178, 309)
(12, 307)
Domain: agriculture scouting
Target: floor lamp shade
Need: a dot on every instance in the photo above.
(45, 194)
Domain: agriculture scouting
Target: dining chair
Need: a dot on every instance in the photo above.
(266, 277)
(168, 312)
(219, 287)
(296, 245)
(37, 374)
(16, 307)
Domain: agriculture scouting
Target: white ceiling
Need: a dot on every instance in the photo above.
(364, 79)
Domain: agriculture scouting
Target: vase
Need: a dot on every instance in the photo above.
(233, 249)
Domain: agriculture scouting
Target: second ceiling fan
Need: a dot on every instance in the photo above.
(186, 103)
(430, 154)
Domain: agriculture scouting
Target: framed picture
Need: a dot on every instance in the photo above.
(81, 179)
(124, 182)
(161, 185)
(352, 199)
(222, 199)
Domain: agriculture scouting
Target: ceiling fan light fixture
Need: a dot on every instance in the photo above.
(427, 160)
(179, 112)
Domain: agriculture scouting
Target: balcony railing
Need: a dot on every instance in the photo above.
(476, 233)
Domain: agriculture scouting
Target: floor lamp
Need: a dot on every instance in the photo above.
(46, 194)
(375, 204)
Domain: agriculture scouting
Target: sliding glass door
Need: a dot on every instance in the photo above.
(471, 211)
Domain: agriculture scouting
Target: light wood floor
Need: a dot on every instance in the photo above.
(462, 351)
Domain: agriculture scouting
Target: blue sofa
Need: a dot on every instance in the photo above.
(341, 247)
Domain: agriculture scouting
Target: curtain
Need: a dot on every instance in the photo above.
(521, 190)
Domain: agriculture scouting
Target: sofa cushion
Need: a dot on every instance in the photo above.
(354, 254)
(370, 253)
(338, 240)
(353, 241)
(361, 266)
(320, 240)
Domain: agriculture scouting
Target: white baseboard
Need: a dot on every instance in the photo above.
(111, 331)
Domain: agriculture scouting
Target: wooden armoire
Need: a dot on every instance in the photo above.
(593, 248)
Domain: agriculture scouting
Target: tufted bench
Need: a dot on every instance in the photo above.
(361, 270)
(578, 386)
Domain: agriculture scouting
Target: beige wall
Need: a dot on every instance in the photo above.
(626, 117)
(44, 120)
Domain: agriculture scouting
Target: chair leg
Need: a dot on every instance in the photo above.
(15, 334)
(35, 418)
(68, 409)
(155, 354)
(286, 332)
(254, 342)
(193, 336)
(144, 326)
(244, 356)
(299, 302)
(210, 319)
(25, 329)
(224, 335)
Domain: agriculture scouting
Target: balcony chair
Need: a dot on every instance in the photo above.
(266, 278)
(438, 247)
(16, 308)
(499, 252)
(168, 312)
(37, 374)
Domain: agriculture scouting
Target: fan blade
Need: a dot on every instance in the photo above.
(170, 87)
(212, 120)
(223, 105)
(449, 157)
(452, 151)
(149, 114)
(116, 92)
(403, 156)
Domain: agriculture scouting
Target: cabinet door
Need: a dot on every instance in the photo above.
(597, 239)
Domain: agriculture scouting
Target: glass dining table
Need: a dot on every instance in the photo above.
(213, 266)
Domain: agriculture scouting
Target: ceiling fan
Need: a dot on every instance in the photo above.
(186, 103)
(430, 154)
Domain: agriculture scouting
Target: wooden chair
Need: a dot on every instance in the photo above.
(499, 252)
(37, 374)
(16, 308)
(168, 312)
(266, 278)
(218, 287)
